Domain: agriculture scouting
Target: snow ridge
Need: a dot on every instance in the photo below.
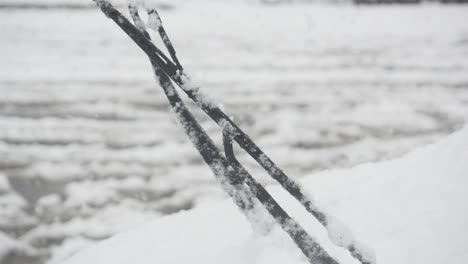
(390, 205)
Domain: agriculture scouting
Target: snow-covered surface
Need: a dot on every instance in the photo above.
(410, 210)
(89, 147)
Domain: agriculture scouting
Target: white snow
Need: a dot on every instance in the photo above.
(410, 210)
(330, 86)
(154, 22)
(4, 184)
(10, 246)
(7, 244)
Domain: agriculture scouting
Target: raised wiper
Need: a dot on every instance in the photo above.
(234, 178)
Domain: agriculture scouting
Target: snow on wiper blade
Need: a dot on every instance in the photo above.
(234, 178)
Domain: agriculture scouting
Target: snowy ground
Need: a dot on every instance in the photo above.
(89, 147)
(409, 210)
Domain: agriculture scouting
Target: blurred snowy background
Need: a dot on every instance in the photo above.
(89, 147)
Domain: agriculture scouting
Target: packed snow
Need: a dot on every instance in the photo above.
(410, 210)
(89, 147)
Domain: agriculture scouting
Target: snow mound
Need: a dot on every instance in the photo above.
(409, 210)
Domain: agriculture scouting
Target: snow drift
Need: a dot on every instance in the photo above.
(409, 210)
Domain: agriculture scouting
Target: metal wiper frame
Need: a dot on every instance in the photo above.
(234, 178)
